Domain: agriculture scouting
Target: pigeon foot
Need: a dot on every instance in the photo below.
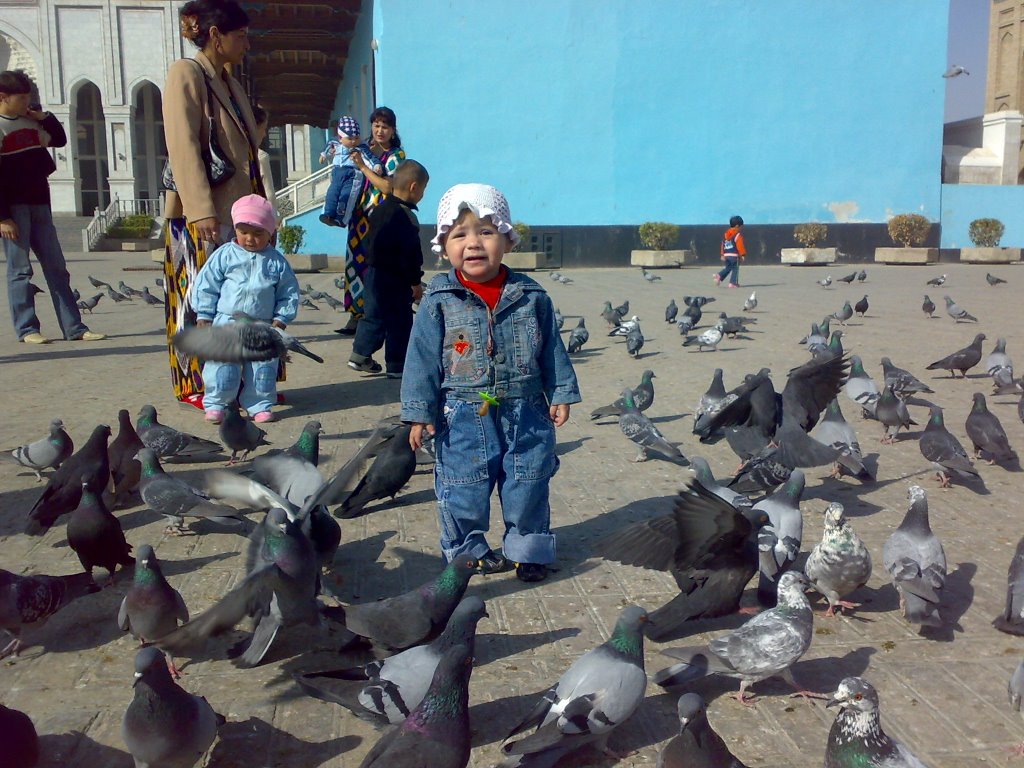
(11, 649)
(749, 610)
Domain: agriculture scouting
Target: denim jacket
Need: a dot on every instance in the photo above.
(263, 285)
(460, 348)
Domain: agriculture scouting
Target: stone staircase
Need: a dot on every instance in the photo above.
(69, 231)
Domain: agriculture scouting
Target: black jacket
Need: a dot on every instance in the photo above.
(393, 244)
(25, 161)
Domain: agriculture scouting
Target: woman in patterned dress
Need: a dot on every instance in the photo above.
(199, 214)
(387, 145)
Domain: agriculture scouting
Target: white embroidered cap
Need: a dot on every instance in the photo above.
(483, 200)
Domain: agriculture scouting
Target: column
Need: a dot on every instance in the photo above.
(298, 151)
(65, 188)
(120, 152)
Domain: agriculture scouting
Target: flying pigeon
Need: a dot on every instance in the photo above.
(954, 71)
(928, 307)
(937, 281)
(856, 737)
(750, 304)
(240, 434)
(21, 742)
(64, 488)
(993, 280)
(45, 453)
(840, 563)
(578, 336)
(697, 745)
(944, 451)
(28, 601)
(641, 431)
(986, 433)
(96, 536)
(916, 562)
(1011, 620)
(175, 499)
(861, 307)
(778, 542)
(643, 398)
(861, 388)
(766, 645)
(962, 360)
(671, 311)
(167, 442)
(957, 312)
(244, 340)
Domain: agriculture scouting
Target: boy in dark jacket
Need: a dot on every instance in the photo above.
(25, 217)
(392, 281)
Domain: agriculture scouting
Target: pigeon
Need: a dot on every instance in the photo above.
(1011, 620)
(21, 742)
(175, 499)
(1015, 691)
(643, 398)
(685, 324)
(625, 327)
(861, 307)
(826, 281)
(307, 304)
(390, 471)
(386, 691)
(125, 469)
(559, 319)
(862, 276)
(986, 433)
(903, 383)
(708, 544)
(711, 401)
(76, 294)
(892, 412)
(671, 311)
(944, 451)
(916, 562)
(623, 309)
(635, 341)
(779, 542)
(88, 305)
(1003, 383)
(697, 301)
(97, 283)
(599, 691)
(555, 275)
(993, 280)
(957, 312)
(833, 430)
(116, 297)
(126, 290)
(307, 446)
(578, 336)
(28, 601)
(937, 281)
(158, 282)
(336, 304)
(998, 361)
(750, 304)
(240, 434)
(697, 745)
(928, 307)
(565, 280)
(815, 337)
(244, 340)
(167, 442)
(45, 453)
(641, 431)
(165, 726)
(151, 608)
(610, 315)
(840, 563)
(436, 733)
(650, 277)
(339, 283)
(731, 326)
(861, 388)
(712, 337)
(96, 536)
(702, 474)
(150, 298)
(856, 737)
(955, 70)
(695, 313)
(848, 278)
(413, 618)
(843, 314)
(834, 348)
(962, 360)
(64, 488)
(766, 645)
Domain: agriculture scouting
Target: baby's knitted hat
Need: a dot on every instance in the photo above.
(483, 200)
(348, 127)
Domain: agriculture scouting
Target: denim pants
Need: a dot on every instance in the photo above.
(222, 381)
(36, 231)
(732, 264)
(343, 193)
(386, 321)
(513, 447)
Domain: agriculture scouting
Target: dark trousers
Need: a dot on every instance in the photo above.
(386, 321)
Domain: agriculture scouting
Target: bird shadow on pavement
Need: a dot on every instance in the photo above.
(317, 399)
(240, 743)
(403, 500)
(957, 596)
(568, 446)
(72, 354)
(60, 750)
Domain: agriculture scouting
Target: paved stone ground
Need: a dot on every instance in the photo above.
(943, 691)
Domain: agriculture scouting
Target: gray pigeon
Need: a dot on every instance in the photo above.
(610, 315)
(165, 726)
(635, 341)
(766, 645)
(671, 311)
(892, 412)
(711, 401)
(650, 277)
(95, 535)
(643, 398)
(937, 281)
(64, 488)
(149, 298)
(992, 279)
(915, 560)
(862, 276)
(779, 542)
(291, 477)
(962, 360)
(578, 336)
(151, 608)
(944, 451)
(826, 281)
(175, 499)
(998, 361)
(167, 442)
(1011, 620)
(928, 307)
(815, 337)
(89, 304)
(21, 742)
(116, 297)
(861, 388)
(390, 471)
(731, 326)
(125, 469)
(97, 283)
(833, 430)
(957, 312)
(240, 434)
(308, 304)
(127, 290)
(750, 304)
(1015, 691)
(623, 309)
(685, 324)
(28, 601)
(702, 473)
(712, 337)
(845, 313)
(45, 453)
(386, 691)
(840, 563)
(598, 692)
(856, 739)
(559, 319)
(697, 745)
(987, 434)
(246, 339)
(641, 431)
(861, 307)
(436, 733)
(902, 382)
(848, 279)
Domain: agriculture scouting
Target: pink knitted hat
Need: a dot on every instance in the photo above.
(256, 211)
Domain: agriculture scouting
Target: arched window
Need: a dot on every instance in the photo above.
(90, 137)
(148, 134)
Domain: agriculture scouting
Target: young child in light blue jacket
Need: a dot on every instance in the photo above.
(246, 275)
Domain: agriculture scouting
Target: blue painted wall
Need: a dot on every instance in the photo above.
(963, 203)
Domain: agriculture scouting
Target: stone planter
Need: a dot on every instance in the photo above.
(315, 262)
(808, 256)
(990, 255)
(656, 259)
(525, 261)
(907, 255)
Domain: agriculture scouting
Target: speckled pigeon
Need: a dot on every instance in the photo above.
(712, 337)
(175, 499)
(697, 745)
(1011, 620)
(840, 563)
(902, 382)
(915, 560)
(96, 536)
(856, 739)
(944, 451)
(64, 488)
(779, 543)
(643, 398)
(642, 431)
(167, 442)
(28, 601)
(45, 453)
(986, 433)
(962, 360)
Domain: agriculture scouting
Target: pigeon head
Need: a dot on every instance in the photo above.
(471, 608)
(857, 367)
(917, 514)
(948, 300)
(702, 471)
(833, 412)
(100, 433)
(151, 668)
(278, 518)
(757, 518)
(792, 585)
(627, 398)
(456, 574)
(150, 464)
(690, 708)
(1000, 347)
(980, 406)
(794, 487)
(647, 376)
(834, 515)
(855, 693)
(147, 416)
(935, 420)
(146, 557)
(56, 426)
(627, 637)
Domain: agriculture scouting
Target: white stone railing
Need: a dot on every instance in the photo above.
(304, 194)
(102, 220)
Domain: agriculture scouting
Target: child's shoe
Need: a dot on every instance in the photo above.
(734, 285)
(214, 416)
(369, 365)
(330, 222)
(531, 571)
(264, 417)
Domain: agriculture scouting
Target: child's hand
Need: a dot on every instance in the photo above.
(357, 158)
(203, 323)
(559, 413)
(416, 438)
(8, 229)
(417, 292)
(279, 324)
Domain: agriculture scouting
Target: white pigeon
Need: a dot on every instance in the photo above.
(826, 282)
(625, 327)
(955, 70)
(751, 303)
(710, 338)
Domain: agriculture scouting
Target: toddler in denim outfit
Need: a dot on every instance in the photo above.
(246, 275)
(488, 376)
(346, 177)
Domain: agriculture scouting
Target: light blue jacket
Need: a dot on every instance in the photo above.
(263, 285)
(459, 348)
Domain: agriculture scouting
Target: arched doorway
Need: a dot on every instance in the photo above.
(148, 138)
(90, 137)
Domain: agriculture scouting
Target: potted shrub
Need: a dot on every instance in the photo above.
(522, 257)
(986, 234)
(289, 238)
(132, 232)
(658, 237)
(809, 235)
(910, 230)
